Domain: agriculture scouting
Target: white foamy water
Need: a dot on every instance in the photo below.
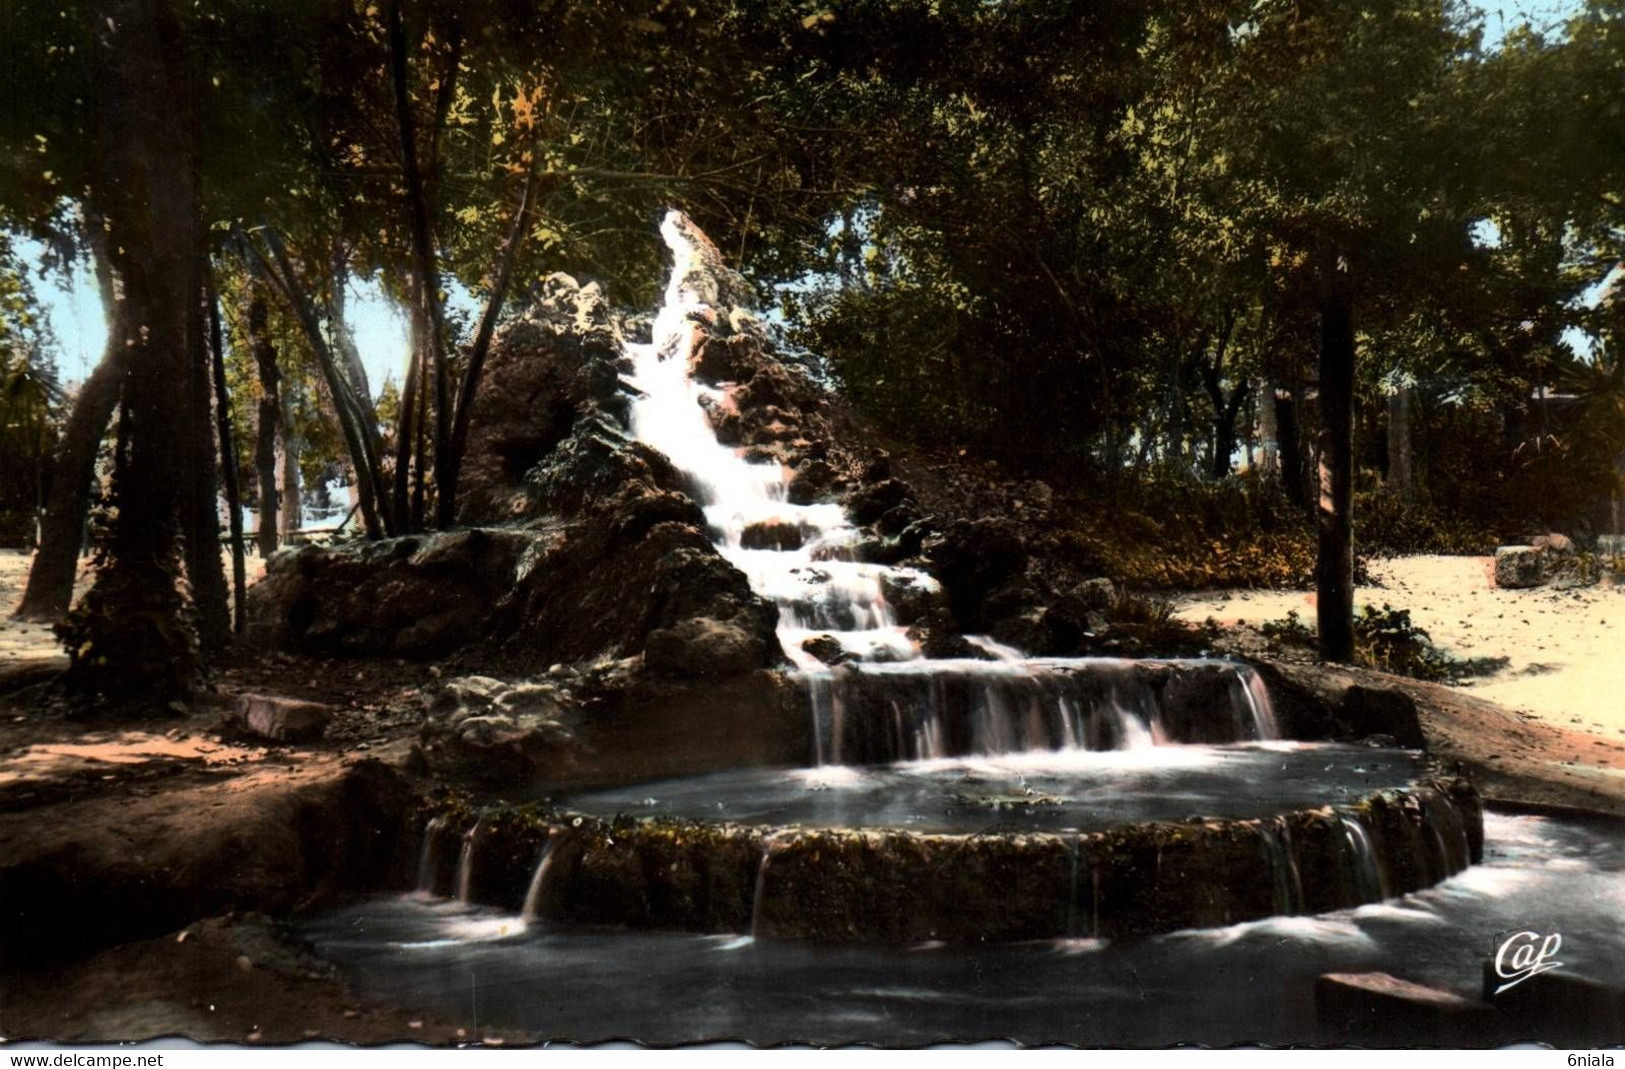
(815, 596)
(1011, 702)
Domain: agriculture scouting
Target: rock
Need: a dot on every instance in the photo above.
(414, 596)
(972, 559)
(1553, 542)
(703, 647)
(282, 719)
(1376, 1006)
(494, 730)
(1096, 593)
(911, 600)
(871, 501)
(1520, 567)
(828, 649)
(773, 534)
(813, 481)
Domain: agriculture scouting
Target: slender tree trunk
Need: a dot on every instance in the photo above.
(293, 508)
(1400, 475)
(355, 372)
(1334, 571)
(422, 245)
(1294, 471)
(358, 440)
(49, 592)
(202, 517)
(228, 465)
(407, 424)
(446, 506)
(269, 425)
(130, 639)
(1269, 448)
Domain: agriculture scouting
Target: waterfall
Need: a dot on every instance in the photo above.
(877, 713)
(817, 592)
(465, 864)
(886, 704)
(1369, 882)
(426, 856)
(534, 901)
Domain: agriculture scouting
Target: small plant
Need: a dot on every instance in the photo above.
(1290, 631)
(1389, 640)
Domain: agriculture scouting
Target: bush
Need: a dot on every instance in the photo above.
(1389, 640)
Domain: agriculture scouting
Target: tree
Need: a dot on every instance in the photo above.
(130, 635)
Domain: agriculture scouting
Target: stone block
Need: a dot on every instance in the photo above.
(1519, 567)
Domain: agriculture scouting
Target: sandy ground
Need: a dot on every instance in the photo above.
(1565, 649)
(22, 642)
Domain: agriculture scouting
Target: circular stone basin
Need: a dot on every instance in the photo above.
(1041, 791)
(1015, 847)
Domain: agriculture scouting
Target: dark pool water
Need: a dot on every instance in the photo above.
(1247, 983)
(1068, 790)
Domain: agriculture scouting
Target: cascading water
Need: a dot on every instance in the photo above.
(951, 749)
(748, 504)
(888, 704)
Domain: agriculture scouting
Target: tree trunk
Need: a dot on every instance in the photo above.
(228, 465)
(1400, 476)
(49, 593)
(293, 508)
(355, 372)
(1269, 445)
(358, 439)
(269, 426)
(130, 638)
(406, 426)
(1294, 472)
(422, 246)
(201, 522)
(1334, 569)
(446, 506)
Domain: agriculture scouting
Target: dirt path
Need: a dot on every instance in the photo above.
(1565, 649)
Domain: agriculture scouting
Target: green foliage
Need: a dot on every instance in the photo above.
(1387, 639)
(1391, 527)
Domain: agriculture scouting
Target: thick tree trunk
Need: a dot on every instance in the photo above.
(204, 570)
(1401, 479)
(1334, 570)
(269, 426)
(50, 580)
(130, 639)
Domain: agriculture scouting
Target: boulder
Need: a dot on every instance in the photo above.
(703, 647)
(1520, 567)
(813, 481)
(871, 501)
(1553, 542)
(416, 596)
(773, 534)
(280, 719)
(827, 648)
(912, 600)
(1096, 594)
